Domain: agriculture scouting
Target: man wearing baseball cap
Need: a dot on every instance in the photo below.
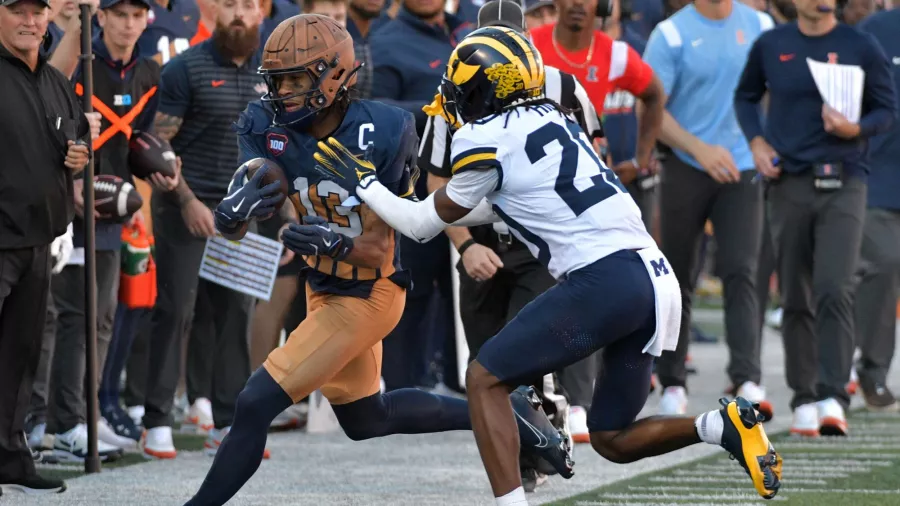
(539, 12)
(40, 124)
(125, 95)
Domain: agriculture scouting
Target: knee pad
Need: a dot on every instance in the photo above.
(363, 419)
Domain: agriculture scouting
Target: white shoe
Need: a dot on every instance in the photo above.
(674, 401)
(806, 420)
(106, 434)
(832, 421)
(293, 417)
(156, 443)
(578, 424)
(137, 414)
(72, 446)
(199, 418)
(757, 395)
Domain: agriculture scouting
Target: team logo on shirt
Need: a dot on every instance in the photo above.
(592, 74)
(277, 143)
(832, 57)
(740, 37)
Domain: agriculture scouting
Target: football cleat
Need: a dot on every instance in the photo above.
(745, 439)
(537, 434)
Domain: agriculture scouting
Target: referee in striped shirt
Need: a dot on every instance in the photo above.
(498, 275)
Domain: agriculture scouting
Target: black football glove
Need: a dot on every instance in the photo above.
(338, 164)
(315, 238)
(247, 200)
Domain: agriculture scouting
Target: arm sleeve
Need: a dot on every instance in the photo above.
(627, 70)
(419, 220)
(879, 94)
(660, 55)
(749, 93)
(175, 89)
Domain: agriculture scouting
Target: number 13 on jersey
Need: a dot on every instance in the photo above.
(324, 199)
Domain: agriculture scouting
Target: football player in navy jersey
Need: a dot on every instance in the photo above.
(172, 24)
(356, 288)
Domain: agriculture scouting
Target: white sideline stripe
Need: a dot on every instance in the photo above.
(852, 438)
(619, 503)
(849, 447)
(842, 463)
(831, 456)
(733, 496)
(818, 464)
(789, 472)
(793, 479)
(790, 490)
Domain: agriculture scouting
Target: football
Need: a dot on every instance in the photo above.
(148, 154)
(115, 198)
(275, 173)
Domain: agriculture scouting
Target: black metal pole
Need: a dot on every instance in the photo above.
(92, 462)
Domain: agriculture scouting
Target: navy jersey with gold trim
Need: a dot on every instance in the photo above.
(391, 130)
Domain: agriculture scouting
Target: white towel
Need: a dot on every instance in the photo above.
(667, 294)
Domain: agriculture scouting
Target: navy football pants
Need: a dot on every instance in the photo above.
(609, 304)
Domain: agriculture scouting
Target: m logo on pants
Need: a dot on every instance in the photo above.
(659, 267)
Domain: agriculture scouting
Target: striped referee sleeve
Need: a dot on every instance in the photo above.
(434, 149)
(564, 89)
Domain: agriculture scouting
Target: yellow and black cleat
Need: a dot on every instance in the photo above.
(745, 439)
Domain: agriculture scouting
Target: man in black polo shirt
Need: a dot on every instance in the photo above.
(817, 162)
(40, 122)
(202, 92)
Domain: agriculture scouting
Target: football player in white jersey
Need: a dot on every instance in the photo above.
(518, 159)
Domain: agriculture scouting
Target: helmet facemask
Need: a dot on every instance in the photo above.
(315, 75)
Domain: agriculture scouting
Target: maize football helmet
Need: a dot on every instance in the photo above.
(491, 69)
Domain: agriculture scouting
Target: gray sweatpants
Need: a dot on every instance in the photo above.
(876, 310)
(817, 238)
(67, 358)
(688, 198)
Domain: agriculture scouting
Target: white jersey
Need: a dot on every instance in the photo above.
(549, 186)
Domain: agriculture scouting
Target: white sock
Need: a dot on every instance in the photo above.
(710, 426)
(514, 498)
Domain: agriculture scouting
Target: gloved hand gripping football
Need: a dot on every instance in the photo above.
(246, 200)
(349, 171)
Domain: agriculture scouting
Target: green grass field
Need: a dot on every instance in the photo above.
(860, 470)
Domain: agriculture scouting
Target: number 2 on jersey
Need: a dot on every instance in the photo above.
(605, 184)
(324, 200)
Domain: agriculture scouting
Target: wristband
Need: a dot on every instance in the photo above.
(466, 245)
(344, 248)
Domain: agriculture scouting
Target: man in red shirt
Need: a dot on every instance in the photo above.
(602, 65)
